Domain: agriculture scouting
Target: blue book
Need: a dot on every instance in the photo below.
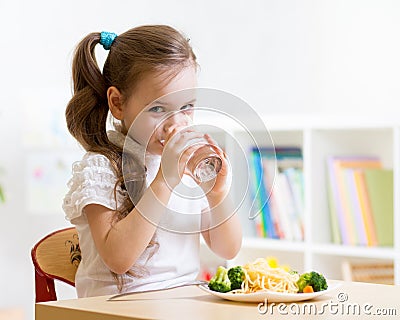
(262, 194)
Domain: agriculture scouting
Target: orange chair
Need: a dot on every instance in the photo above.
(55, 257)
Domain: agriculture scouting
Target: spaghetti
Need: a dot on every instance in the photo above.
(259, 275)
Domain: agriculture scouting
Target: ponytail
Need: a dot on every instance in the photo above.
(87, 111)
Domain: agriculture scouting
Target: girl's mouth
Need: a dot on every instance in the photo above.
(162, 141)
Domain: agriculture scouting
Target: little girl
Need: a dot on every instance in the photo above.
(122, 249)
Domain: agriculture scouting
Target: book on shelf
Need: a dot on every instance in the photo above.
(278, 174)
(260, 196)
(357, 209)
(379, 184)
(354, 204)
(366, 210)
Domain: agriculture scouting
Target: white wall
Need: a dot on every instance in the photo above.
(280, 56)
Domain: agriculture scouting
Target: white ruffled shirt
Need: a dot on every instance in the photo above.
(175, 261)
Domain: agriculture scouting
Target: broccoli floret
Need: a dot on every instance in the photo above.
(220, 282)
(314, 279)
(236, 276)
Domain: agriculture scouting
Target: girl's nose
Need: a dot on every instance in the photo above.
(179, 119)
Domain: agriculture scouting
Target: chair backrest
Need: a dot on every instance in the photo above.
(55, 257)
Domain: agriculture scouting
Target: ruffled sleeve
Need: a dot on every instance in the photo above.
(93, 181)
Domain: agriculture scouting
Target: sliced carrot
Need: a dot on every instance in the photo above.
(308, 289)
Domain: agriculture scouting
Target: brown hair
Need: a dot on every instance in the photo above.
(133, 55)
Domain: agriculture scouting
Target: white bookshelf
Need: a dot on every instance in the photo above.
(319, 137)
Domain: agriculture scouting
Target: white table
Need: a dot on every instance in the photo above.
(193, 303)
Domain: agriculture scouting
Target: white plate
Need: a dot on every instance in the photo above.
(269, 295)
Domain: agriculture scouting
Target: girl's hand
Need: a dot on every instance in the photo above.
(176, 153)
(218, 187)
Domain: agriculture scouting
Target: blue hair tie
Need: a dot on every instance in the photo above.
(107, 39)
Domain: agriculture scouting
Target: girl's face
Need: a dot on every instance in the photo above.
(151, 109)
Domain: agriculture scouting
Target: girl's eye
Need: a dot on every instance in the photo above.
(156, 109)
(188, 107)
